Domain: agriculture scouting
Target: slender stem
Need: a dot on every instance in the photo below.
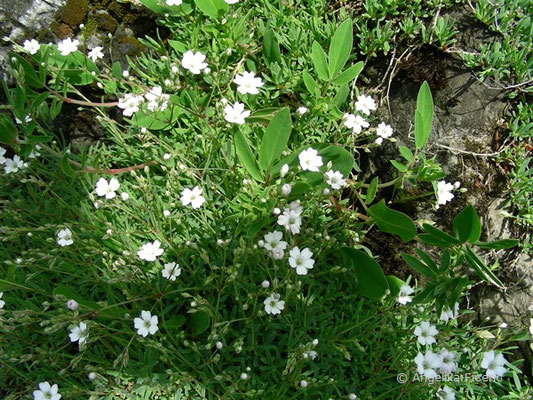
(82, 102)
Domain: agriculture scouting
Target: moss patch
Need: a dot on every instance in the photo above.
(73, 12)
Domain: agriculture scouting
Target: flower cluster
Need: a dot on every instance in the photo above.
(365, 105)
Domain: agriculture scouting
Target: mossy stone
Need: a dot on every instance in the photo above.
(73, 12)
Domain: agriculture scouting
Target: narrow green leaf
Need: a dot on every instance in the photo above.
(399, 166)
(406, 153)
(340, 47)
(428, 239)
(341, 96)
(116, 69)
(199, 322)
(371, 282)
(423, 115)
(349, 75)
(319, 61)
(65, 166)
(310, 84)
(479, 266)
(392, 221)
(212, 8)
(425, 257)
(8, 130)
(466, 225)
(275, 139)
(371, 191)
(418, 265)
(498, 244)
(440, 235)
(271, 52)
(395, 284)
(263, 116)
(445, 260)
(246, 156)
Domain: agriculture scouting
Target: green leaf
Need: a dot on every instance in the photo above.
(498, 244)
(263, 116)
(392, 221)
(275, 139)
(341, 96)
(428, 239)
(371, 281)
(212, 8)
(371, 191)
(65, 166)
(440, 235)
(482, 270)
(466, 225)
(349, 75)
(395, 284)
(399, 166)
(418, 265)
(29, 72)
(310, 84)
(116, 69)
(445, 260)
(180, 47)
(340, 47)
(319, 61)
(423, 115)
(199, 322)
(8, 130)
(271, 51)
(155, 6)
(246, 156)
(406, 153)
(427, 260)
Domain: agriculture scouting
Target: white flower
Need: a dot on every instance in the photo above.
(72, 305)
(448, 363)
(64, 237)
(14, 165)
(31, 46)
(232, 1)
(2, 158)
(35, 152)
(310, 354)
(365, 104)
(174, 2)
(107, 189)
(310, 160)
(301, 260)
(291, 220)
(494, 364)
(404, 295)
(46, 392)
(236, 113)
(284, 170)
(278, 254)
(335, 179)
(294, 206)
(355, 122)
(427, 364)
(446, 393)
(2, 302)
(79, 333)
(426, 333)
(248, 83)
(444, 192)
(157, 101)
(447, 314)
(130, 104)
(166, 156)
(531, 326)
(273, 241)
(147, 324)
(193, 197)
(384, 131)
(166, 213)
(124, 196)
(96, 53)
(301, 110)
(150, 251)
(286, 189)
(194, 62)
(171, 271)
(273, 304)
(68, 46)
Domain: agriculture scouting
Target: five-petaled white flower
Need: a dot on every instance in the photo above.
(365, 104)
(248, 83)
(448, 314)
(193, 197)
(335, 179)
(494, 364)
(130, 104)
(444, 192)
(2, 302)
(448, 361)
(107, 189)
(273, 304)
(404, 296)
(46, 392)
(310, 160)
(291, 220)
(171, 271)
(301, 260)
(426, 333)
(157, 101)
(236, 113)
(275, 244)
(79, 333)
(355, 122)
(68, 46)
(427, 364)
(384, 131)
(96, 53)
(150, 251)
(31, 46)
(194, 62)
(174, 2)
(14, 165)
(445, 393)
(147, 324)
(64, 237)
